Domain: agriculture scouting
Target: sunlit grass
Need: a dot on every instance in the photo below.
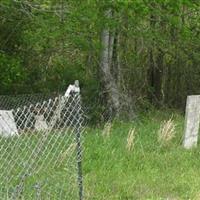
(120, 164)
(151, 171)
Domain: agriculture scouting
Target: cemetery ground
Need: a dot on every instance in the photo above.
(143, 159)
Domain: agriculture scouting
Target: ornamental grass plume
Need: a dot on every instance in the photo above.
(131, 139)
(107, 129)
(166, 132)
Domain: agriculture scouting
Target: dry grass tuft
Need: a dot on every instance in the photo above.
(166, 132)
(131, 139)
(107, 129)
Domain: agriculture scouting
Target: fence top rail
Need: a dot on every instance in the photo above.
(9, 102)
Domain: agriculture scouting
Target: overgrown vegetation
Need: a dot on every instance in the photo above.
(127, 162)
(123, 52)
(127, 54)
(148, 170)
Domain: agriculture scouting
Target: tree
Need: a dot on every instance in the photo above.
(110, 85)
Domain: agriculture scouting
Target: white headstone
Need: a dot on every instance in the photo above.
(192, 119)
(40, 123)
(7, 123)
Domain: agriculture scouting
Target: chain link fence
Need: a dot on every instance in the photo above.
(40, 147)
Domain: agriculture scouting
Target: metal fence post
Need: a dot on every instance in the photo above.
(78, 141)
(43, 138)
(79, 163)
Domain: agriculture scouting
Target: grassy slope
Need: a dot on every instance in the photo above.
(149, 171)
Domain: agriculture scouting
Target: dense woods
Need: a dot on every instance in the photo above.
(124, 52)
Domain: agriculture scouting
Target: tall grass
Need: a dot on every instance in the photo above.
(131, 139)
(167, 131)
(151, 171)
(113, 171)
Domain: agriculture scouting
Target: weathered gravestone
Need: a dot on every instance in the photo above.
(7, 124)
(40, 123)
(192, 119)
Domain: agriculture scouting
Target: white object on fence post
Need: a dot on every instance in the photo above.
(192, 119)
(72, 88)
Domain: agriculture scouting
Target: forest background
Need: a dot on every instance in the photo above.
(127, 54)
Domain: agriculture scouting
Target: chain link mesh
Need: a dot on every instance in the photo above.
(40, 147)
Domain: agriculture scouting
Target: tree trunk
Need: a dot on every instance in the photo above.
(155, 70)
(105, 66)
(158, 78)
(151, 65)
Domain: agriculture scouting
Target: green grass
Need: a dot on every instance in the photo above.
(111, 172)
(149, 171)
(56, 179)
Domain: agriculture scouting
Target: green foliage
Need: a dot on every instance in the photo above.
(12, 74)
(53, 43)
